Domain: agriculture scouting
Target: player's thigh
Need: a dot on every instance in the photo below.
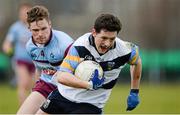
(23, 76)
(22, 70)
(32, 103)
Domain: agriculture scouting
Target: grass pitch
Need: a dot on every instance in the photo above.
(154, 99)
(159, 99)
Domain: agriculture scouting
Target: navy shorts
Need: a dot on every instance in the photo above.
(57, 104)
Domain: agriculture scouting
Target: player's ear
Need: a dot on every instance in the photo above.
(94, 32)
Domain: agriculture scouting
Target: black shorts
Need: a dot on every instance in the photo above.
(57, 104)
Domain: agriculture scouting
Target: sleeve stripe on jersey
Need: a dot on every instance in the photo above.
(134, 56)
(66, 65)
(72, 58)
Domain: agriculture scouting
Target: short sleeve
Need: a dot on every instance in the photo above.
(134, 53)
(71, 61)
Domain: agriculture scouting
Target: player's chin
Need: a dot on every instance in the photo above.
(103, 50)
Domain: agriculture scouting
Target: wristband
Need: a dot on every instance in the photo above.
(134, 90)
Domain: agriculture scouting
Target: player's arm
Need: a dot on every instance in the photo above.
(66, 75)
(69, 79)
(7, 47)
(135, 66)
(8, 44)
(135, 71)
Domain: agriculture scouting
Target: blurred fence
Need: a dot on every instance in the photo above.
(161, 65)
(5, 67)
(158, 67)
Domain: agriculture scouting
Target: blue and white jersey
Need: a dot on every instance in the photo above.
(19, 34)
(49, 57)
(112, 62)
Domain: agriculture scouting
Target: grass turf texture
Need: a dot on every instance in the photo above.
(164, 98)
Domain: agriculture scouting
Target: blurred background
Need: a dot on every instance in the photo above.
(154, 25)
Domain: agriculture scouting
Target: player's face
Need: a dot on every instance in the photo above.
(41, 31)
(104, 40)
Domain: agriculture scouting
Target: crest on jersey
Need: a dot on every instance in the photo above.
(46, 104)
(110, 65)
(52, 55)
(100, 59)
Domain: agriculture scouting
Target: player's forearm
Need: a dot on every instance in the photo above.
(7, 47)
(70, 80)
(136, 74)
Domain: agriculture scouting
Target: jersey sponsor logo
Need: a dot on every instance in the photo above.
(49, 71)
(99, 59)
(88, 57)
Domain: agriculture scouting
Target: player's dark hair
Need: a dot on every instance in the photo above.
(37, 13)
(107, 22)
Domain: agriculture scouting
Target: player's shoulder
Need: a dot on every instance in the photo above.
(61, 36)
(123, 47)
(123, 43)
(82, 40)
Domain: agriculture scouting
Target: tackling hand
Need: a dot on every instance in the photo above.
(133, 99)
(96, 82)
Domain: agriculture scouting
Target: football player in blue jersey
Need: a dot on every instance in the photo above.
(47, 48)
(15, 46)
(75, 96)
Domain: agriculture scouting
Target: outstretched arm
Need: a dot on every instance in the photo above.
(135, 71)
(133, 98)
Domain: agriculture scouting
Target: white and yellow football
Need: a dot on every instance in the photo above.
(86, 68)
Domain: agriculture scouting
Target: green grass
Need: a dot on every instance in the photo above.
(159, 99)
(8, 100)
(154, 99)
